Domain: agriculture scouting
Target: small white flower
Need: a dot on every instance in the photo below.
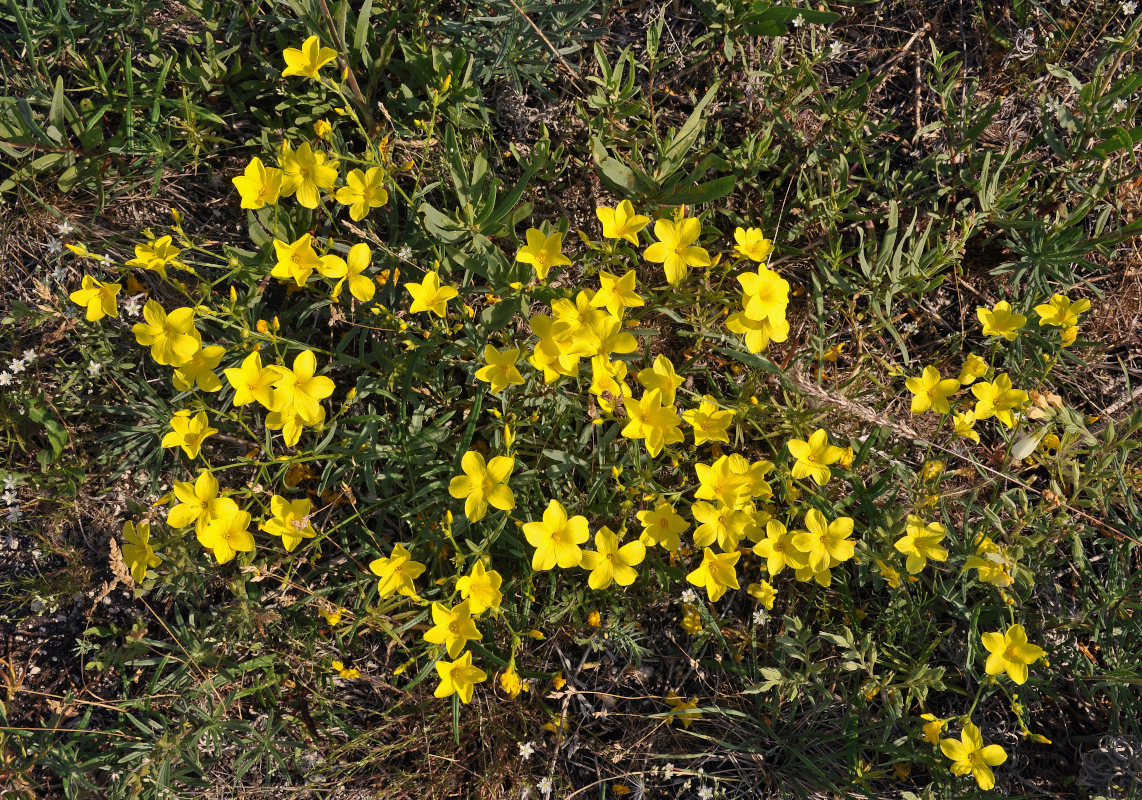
(706, 793)
(759, 617)
(545, 786)
(1129, 7)
(29, 356)
(798, 21)
(5, 379)
(132, 305)
(405, 253)
(59, 274)
(526, 749)
(55, 245)
(9, 483)
(690, 596)
(64, 228)
(14, 514)
(1065, 3)
(16, 365)
(835, 48)
(1053, 106)
(668, 771)
(1119, 106)
(94, 368)
(104, 259)
(9, 497)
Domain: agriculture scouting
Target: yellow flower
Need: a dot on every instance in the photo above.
(452, 627)
(543, 252)
(396, 572)
(889, 573)
(720, 481)
(483, 484)
(722, 524)
(997, 399)
(302, 391)
(430, 295)
(691, 621)
(765, 295)
(356, 263)
(481, 588)
(308, 60)
(228, 533)
(1010, 653)
(305, 173)
(333, 618)
(778, 549)
(921, 542)
(685, 711)
(459, 677)
(171, 337)
(969, 756)
(289, 520)
(764, 593)
(825, 544)
(752, 244)
(557, 538)
(155, 255)
(1000, 321)
(612, 562)
(653, 422)
(198, 369)
(137, 551)
(675, 248)
(973, 367)
(929, 392)
(512, 683)
(661, 376)
(198, 503)
(991, 563)
(322, 129)
(1061, 312)
(259, 185)
(252, 381)
(933, 728)
(500, 369)
(662, 526)
(964, 425)
(716, 573)
(362, 192)
(286, 420)
(621, 222)
(348, 673)
(617, 294)
(1069, 335)
(97, 297)
(709, 423)
(814, 457)
(188, 432)
(296, 261)
(758, 333)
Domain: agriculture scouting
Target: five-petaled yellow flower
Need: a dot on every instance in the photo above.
(290, 520)
(825, 543)
(1009, 652)
(481, 588)
(172, 337)
(621, 222)
(683, 710)
(305, 173)
(362, 192)
(543, 252)
(300, 390)
(617, 294)
(997, 399)
(716, 573)
(675, 249)
(969, 756)
(765, 295)
(500, 369)
(430, 295)
(452, 627)
(459, 677)
(228, 534)
(188, 432)
(778, 550)
(930, 392)
(296, 261)
(611, 561)
(1061, 312)
(662, 526)
(252, 381)
(654, 423)
(1001, 321)
(155, 255)
(814, 457)
(308, 60)
(198, 370)
(258, 185)
(137, 551)
(97, 297)
(710, 423)
(752, 244)
(921, 543)
(556, 538)
(360, 285)
(483, 484)
(198, 503)
(396, 572)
